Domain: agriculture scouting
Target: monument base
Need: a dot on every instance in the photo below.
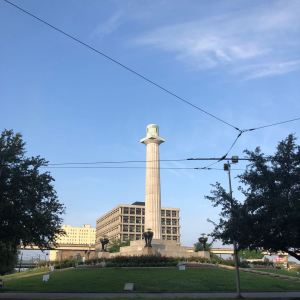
(159, 247)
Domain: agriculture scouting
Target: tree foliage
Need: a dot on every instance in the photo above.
(250, 254)
(269, 216)
(29, 208)
(199, 246)
(116, 244)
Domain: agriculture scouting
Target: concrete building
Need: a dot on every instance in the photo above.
(78, 241)
(85, 235)
(127, 222)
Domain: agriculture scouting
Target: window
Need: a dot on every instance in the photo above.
(163, 213)
(163, 221)
(169, 230)
(132, 211)
(168, 213)
(138, 220)
(125, 210)
(168, 237)
(131, 228)
(174, 222)
(138, 229)
(125, 227)
(175, 238)
(131, 237)
(174, 230)
(174, 214)
(138, 211)
(125, 219)
(163, 230)
(168, 221)
(132, 219)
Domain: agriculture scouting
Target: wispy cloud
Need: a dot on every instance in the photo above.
(108, 26)
(268, 69)
(241, 42)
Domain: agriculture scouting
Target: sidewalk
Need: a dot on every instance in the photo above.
(262, 295)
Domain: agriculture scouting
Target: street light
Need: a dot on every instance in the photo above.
(227, 167)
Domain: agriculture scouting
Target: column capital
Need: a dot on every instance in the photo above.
(157, 140)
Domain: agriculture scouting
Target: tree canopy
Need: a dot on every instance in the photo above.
(268, 218)
(30, 212)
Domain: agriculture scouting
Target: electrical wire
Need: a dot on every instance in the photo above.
(121, 64)
(113, 162)
(131, 167)
(271, 125)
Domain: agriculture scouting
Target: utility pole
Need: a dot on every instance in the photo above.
(227, 167)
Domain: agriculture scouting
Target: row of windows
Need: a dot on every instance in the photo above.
(137, 228)
(134, 237)
(133, 210)
(141, 211)
(169, 230)
(141, 220)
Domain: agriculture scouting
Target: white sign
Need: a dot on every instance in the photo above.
(51, 268)
(46, 277)
(129, 286)
(181, 267)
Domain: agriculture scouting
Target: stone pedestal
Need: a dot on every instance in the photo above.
(160, 247)
(104, 255)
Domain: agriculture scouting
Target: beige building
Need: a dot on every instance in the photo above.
(126, 222)
(85, 235)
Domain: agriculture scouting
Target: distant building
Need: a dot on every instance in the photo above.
(126, 222)
(85, 235)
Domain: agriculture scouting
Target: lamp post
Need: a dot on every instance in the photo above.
(227, 167)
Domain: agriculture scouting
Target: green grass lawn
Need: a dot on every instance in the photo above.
(281, 272)
(148, 279)
(28, 273)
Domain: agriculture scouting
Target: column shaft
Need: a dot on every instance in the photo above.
(152, 194)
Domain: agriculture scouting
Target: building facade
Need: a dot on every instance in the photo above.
(126, 222)
(85, 235)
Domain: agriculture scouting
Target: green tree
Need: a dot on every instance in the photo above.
(250, 254)
(269, 216)
(199, 246)
(116, 244)
(29, 208)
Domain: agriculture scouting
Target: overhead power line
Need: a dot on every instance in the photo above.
(144, 161)
(114, 162)
(130, 167)
(121, 64)
(271, 125)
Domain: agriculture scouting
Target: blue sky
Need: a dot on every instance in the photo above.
(237, 59)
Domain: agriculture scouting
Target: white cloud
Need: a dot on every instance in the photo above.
(269, 69)
(107, 27)
(236, 41)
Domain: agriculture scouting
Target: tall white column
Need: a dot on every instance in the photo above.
(152, 193)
